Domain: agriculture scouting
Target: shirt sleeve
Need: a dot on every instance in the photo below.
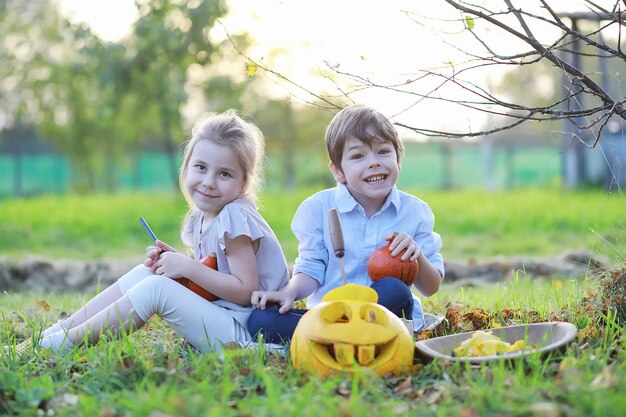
(233, 221)
(308, 227)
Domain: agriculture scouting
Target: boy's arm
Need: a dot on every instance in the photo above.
(302, 285)
(430, 261)
(428, 279)
(299, 286)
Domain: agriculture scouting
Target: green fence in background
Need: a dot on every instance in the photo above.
(427, 166)
(50, 173)
(461, 166)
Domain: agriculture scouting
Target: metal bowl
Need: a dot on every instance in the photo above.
(545, 336)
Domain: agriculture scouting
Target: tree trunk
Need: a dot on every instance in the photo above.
(573, 160)
(290, 152)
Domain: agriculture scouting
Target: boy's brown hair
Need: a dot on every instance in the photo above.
(361, 122)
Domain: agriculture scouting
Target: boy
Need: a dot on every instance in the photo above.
(365, 153)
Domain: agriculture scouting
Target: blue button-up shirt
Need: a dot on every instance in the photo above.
(401, 212)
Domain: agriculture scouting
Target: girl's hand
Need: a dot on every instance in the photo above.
(172, 264)
(154, 252)
(152, 256)
(400, 241)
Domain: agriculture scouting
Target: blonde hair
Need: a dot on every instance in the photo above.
(361, 122)
(243, 138)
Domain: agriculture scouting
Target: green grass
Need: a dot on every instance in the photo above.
(143, 375)
(473, 224)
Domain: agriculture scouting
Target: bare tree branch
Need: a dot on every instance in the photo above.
(587, 103)
(532, 41)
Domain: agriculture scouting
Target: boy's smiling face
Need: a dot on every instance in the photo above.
(369, 171)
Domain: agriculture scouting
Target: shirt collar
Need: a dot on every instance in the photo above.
(343, 199)
(346, 203)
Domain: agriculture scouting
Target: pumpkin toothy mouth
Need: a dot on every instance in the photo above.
(340, 355)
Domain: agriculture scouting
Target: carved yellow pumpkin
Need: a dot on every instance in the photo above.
(348, 330)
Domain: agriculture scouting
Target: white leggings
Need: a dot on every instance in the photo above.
(202, 323)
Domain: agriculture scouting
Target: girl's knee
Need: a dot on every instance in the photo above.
(157, 282)
(133, 277)
(152, 295)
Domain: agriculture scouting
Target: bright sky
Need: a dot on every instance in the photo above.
(111, 19)
(367, 37)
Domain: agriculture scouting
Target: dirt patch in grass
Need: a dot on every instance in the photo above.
(571, 265)
(45, 274)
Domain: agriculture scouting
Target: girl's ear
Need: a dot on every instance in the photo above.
(339, 177)
(243, 188)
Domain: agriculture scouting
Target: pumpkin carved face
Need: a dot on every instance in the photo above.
(381, 264)
(348, 330)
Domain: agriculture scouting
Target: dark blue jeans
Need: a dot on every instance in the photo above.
(393, 294)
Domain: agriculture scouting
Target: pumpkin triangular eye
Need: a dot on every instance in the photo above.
(372, 314)
(337, 312)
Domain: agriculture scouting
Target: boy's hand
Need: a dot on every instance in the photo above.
(401, 241)
(259, 299)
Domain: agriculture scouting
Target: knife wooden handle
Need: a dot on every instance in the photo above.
(336, 232)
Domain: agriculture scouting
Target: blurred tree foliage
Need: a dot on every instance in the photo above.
(102, 103)
(289, 131)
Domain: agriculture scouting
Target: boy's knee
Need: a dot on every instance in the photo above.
(261, 319)
(394, 295)
(392, 285)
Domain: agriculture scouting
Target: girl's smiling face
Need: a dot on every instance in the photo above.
(214, 177)
(369, 172)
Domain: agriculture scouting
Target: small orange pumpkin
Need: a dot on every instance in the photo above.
(211, 262)
(381, 264)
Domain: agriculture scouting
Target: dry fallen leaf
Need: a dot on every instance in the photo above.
(107, 412)
(125, 363)
(44, 305)
(401, 408)
(546, 409)
(424, 334)
(468, 412)
(64, 400)
(605, 379)
(344, 389)
(433, 397)
(404, 387)
(478, 317)
(454, 317)
(587, 333)
(508, 313)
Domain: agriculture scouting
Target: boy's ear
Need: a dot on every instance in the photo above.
(339, 177)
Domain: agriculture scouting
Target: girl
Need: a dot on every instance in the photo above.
(219, 178)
